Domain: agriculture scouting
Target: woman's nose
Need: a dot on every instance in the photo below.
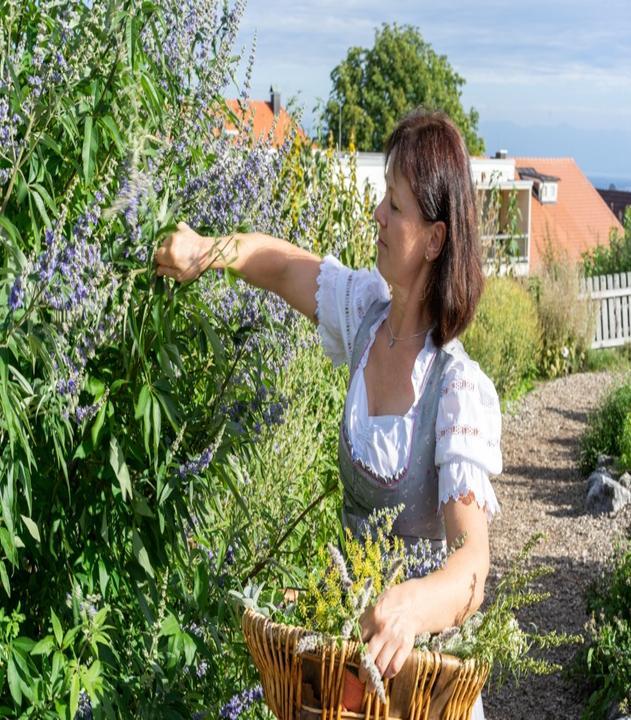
(379, 215)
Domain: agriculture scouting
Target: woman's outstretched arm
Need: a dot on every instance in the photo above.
(261, 260)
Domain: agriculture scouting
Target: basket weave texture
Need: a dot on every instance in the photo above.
(430, 686)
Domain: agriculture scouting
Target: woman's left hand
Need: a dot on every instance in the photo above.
(388, 630)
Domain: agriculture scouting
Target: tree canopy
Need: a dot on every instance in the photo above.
(374, 87)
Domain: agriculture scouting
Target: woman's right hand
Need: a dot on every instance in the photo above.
(184, 255)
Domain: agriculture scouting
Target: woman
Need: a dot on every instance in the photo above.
(421, 421)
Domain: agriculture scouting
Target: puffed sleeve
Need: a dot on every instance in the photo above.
(468, 430)
(342, 299)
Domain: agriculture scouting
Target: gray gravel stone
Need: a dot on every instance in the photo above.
(625, 480)
(599, 475)
(606, 495)
(542, 489)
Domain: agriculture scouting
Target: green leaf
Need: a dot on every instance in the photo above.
(98, 424)
(44, 647)
(8, 544)
(31, 527)
(141, 506)
(5, 578)
(170, 626)
(59, 634)
(70, 636)
(75, 689)
(14, 682)
(147, 427)
(103, 577)
(143, 398)
(58, 663)
(10, 228)
(157, 426)
(140, 553)
(86, 153)
(189, 648)
(117, 461)
(109, 123)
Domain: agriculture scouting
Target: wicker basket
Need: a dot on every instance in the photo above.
(431, 686)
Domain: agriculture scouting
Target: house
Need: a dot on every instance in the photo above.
(265, 116)
(617, 201)
(566, 210)
(528, 201)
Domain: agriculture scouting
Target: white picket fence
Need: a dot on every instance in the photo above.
(613, 320)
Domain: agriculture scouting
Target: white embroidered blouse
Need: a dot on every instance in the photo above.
(468, 424)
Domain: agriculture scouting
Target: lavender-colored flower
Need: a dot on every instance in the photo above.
(421, 560)
(241, 702)
(201, 463)
(195, 629)
(229, 555)
(84, 711)
(374, 675)
(309, 643)
(363, 597)
(202, 669)
(340, 564)
(16, 295)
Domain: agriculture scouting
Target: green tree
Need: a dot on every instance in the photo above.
(373, 88)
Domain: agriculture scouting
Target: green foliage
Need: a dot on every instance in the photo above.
(504, 337)
(567, 320)
(500, 641)
(605, 429)
(616, 359)
(605, 663)
(612, 258)
(374, 88)
(133, 411)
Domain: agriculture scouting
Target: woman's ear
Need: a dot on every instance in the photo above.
(436, 240)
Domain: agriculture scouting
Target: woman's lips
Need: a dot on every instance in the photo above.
(381, 242)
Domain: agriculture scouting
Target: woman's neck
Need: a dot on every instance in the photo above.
(408, 314)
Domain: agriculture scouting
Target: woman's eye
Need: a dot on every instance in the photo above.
(393, 206)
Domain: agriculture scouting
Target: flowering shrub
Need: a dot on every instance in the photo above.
(504, 336)
(127, 404)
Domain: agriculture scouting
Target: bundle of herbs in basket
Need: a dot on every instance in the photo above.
(309, 651)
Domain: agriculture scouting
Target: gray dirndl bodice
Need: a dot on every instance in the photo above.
(416, 485)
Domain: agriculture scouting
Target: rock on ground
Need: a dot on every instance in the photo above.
(542, 490)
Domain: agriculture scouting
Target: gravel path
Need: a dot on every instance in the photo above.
(541, 489)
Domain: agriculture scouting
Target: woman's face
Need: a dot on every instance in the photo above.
(404, 235)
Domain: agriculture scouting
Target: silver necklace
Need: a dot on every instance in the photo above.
(394, 339)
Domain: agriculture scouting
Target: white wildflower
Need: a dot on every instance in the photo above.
(308, 644)
(374, 675)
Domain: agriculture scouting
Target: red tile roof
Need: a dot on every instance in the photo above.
(262, 115)
(577, 221)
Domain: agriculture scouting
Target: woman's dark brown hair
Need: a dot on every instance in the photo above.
(428, 150)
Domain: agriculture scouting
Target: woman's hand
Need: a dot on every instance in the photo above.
(388, 630)
(184, 255)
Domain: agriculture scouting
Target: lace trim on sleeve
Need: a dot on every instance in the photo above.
(327, 311)
(465, 482)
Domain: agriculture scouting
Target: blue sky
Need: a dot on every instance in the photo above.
(548, 78)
